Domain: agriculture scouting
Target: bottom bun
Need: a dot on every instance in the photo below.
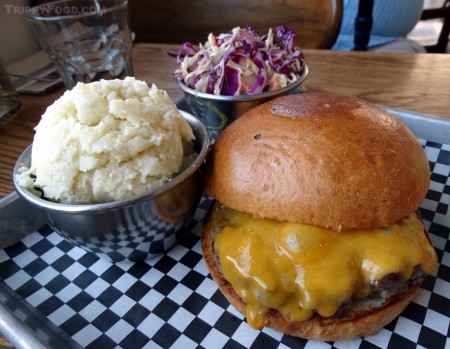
(363, 318)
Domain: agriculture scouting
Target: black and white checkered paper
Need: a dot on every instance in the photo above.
(171, 301)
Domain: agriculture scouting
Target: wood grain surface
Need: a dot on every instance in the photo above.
(4, 343)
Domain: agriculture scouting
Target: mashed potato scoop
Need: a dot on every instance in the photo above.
(106, 141)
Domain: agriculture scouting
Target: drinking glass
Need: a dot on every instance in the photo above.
(9, 98)
(88, 40)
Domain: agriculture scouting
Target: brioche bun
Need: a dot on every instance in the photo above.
(334, 162)
(330, 161)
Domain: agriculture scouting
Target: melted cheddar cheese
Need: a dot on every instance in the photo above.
(299, 269)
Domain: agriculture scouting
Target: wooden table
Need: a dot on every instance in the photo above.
(415, 82)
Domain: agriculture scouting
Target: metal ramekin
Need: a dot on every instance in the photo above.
(217, 111)
(136, 228)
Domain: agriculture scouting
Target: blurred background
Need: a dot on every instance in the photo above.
(17, 41)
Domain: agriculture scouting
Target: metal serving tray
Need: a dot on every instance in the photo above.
(26, 327)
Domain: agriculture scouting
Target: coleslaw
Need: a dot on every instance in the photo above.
(241, 62)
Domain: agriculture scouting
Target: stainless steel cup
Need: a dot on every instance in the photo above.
(137, 228)
(217, 111)
(88, 40)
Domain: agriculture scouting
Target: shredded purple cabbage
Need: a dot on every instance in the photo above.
(241, 62)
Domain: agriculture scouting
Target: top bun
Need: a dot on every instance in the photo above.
(326, 160)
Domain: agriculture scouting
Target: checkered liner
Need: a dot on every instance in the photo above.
(171, 301)
(147, 237)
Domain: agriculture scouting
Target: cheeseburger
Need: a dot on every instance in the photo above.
(315, 230)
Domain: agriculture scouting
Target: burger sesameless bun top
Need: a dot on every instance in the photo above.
(330, 161)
